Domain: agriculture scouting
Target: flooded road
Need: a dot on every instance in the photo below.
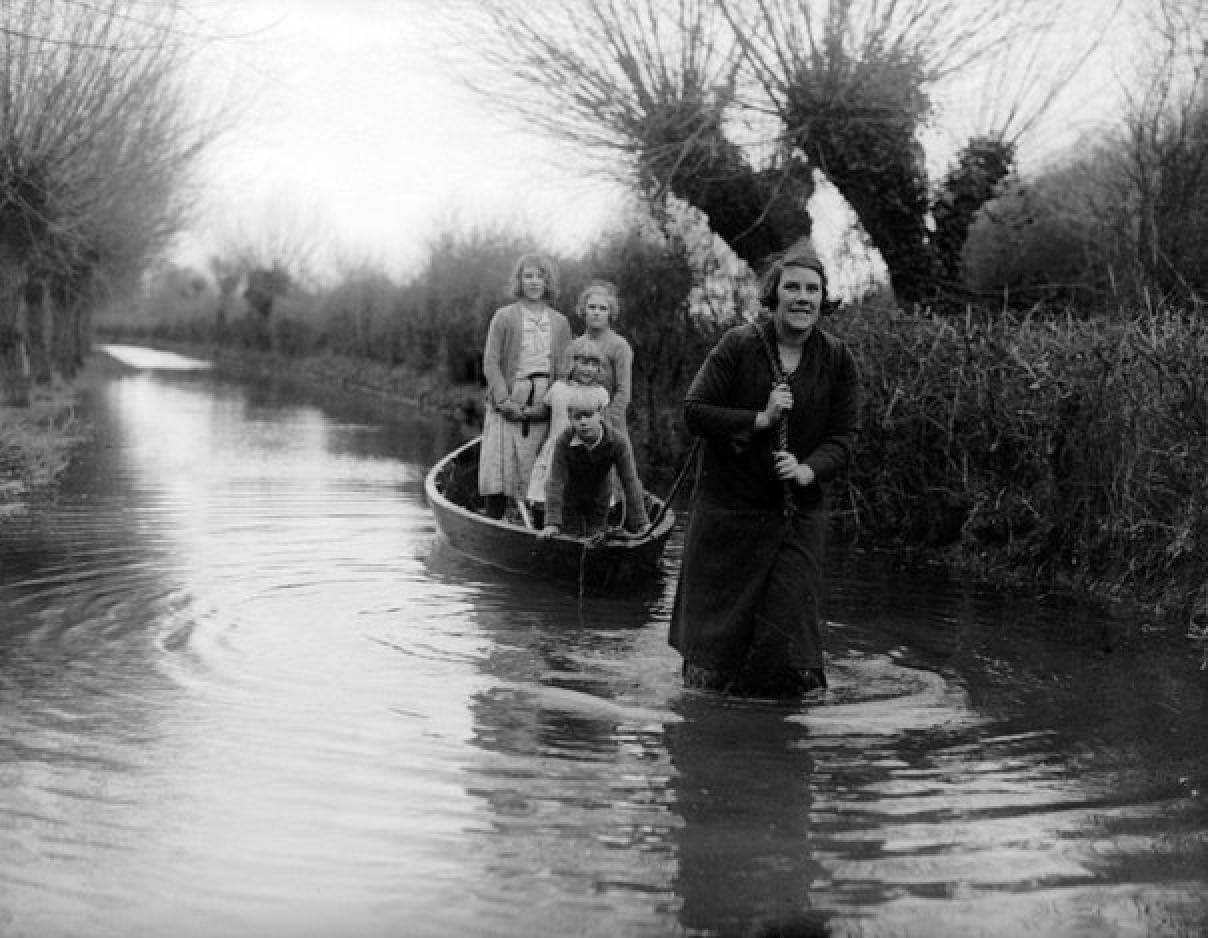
(246, 691)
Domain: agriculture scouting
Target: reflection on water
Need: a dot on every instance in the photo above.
(744, 786)
(138, 357)
(244, 691)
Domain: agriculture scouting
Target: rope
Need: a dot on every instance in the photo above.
(679, 480)
(782, 424)
(582, 576)
(588, 543)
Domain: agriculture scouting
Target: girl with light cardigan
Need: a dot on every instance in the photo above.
(523, 355)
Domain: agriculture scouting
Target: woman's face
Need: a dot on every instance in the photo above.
(597, 311)
(799, 299)
(532, 282)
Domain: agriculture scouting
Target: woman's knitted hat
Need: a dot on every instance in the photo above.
(800, 253)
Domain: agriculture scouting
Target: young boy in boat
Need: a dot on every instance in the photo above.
(582, 384)
(578, 491)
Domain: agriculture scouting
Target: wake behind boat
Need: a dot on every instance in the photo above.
(599, 563)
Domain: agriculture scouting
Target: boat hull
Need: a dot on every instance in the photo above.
(452, 491)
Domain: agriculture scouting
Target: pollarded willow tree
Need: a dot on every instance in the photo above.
(980, 168)
(1009, 94)
(96, 143)
(647, 88)
(851, 82)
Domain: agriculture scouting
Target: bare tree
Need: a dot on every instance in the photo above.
(645, 89)
(270, 251)
(634, 78)
(276, 232)
(1017, 88)
(1166, 150)
(96, 143)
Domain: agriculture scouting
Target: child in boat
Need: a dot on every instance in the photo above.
(577, 493)
(582, 385)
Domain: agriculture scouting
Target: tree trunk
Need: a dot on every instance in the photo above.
(14, 356)
(41, 333)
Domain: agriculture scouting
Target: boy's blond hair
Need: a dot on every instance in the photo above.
(583, 399)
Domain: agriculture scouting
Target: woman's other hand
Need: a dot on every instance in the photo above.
(790, 470)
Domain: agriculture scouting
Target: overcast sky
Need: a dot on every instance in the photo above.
(348, 123)
(348, 127)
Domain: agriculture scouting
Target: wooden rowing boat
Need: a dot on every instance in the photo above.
(618, 558)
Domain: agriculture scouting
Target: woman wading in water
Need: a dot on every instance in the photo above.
(776, 403)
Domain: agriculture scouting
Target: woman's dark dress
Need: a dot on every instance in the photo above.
(746, 608)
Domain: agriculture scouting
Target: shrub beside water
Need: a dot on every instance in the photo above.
(36, 443)
(1064, 451)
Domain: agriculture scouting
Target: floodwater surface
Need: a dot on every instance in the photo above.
(246, 690)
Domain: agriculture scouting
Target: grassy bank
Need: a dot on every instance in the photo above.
(36, 443)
